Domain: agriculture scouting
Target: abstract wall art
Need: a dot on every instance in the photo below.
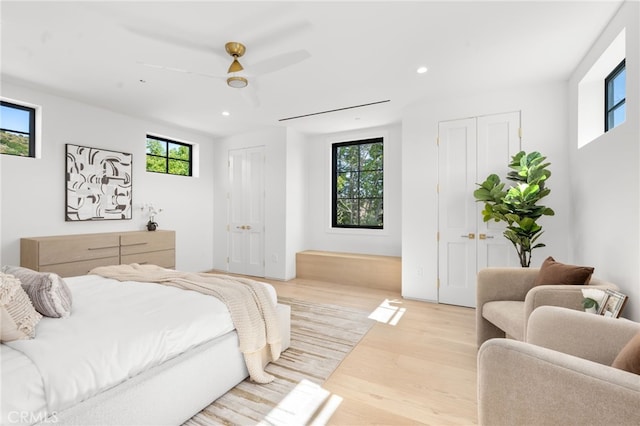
(98, 184)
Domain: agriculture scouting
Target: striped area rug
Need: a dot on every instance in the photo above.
(321, 337)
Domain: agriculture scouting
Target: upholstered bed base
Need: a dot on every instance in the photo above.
(171, 393)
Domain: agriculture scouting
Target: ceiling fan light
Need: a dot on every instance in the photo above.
(237, 82)
(235, 66)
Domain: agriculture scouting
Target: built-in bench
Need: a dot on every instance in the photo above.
(366, 270)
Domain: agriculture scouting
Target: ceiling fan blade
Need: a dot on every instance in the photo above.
(268, 37)
(250, 95)
(183, 71)
(185, 42)
(279, 62)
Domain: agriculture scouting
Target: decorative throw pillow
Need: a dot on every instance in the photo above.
(48, 292)
(18, 318)
(629, 357)
(552, 272)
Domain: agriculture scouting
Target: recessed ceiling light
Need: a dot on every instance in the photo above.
(422, 70)
(226, 113)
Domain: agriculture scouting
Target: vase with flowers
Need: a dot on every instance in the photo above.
(152, 211)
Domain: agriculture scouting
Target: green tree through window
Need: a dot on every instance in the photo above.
(167, 156)
(17, 130)
(358, 182)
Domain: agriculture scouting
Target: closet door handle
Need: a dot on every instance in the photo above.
(470, 236)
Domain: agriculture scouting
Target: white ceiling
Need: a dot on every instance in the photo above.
(360, 52)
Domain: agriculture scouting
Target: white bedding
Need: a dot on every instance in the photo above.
(115, 331)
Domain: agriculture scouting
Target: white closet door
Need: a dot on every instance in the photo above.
(469, 150)
(457, 212)
(498, 141)
(246, 211)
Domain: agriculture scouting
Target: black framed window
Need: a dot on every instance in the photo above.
(358, 183)
(168, 156)
(17, 129)
(615, 97)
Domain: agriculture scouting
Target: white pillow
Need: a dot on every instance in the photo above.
(48, 292)
(18, 318)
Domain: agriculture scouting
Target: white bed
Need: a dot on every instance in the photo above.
(130, 353)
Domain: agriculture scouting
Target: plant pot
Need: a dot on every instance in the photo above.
(152, 226)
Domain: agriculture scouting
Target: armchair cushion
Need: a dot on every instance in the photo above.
(629, 357)
(552, 272)
(507, 315)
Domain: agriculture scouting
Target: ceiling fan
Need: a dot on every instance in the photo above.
(236, 50)
(237, 76)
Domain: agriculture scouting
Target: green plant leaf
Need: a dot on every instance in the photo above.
(517, 205)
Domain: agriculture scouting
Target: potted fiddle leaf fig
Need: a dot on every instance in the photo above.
(518, 205)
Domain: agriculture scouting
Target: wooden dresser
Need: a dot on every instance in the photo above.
(71, 255)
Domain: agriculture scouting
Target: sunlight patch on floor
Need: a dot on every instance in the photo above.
(307, 404)
(387, 312)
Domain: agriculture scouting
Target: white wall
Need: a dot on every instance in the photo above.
(320, 235)
(296, 200)
(605, 180)
(275, 142)
(544, 123)
(33, 190)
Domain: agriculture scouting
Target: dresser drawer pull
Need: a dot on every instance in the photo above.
(135, 244)
(102, 248)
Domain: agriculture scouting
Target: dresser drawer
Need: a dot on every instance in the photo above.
(76, 248)
(146, 241)
(82, 267)
(164, 258)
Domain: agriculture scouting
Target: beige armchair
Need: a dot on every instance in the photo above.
(505, 298)
(561, 375)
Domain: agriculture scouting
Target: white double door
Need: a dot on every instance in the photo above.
(469, 150)
(246, 201)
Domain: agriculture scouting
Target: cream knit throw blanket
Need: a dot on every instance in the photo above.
(252, 311)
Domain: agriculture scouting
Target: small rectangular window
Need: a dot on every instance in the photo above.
(168, 156)
(615, 97)
(17, 129)
(358, 182)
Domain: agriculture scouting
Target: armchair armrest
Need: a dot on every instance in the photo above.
(500, 284)
(566, 296)
(520, 383)
(572, 332)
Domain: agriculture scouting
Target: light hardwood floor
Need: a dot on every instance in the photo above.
(420, 371)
